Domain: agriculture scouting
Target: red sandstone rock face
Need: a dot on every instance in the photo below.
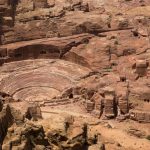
(118, 41)
(93, 53)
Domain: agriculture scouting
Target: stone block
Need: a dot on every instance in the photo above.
(89, 105)
(141, 64)
(40, 3)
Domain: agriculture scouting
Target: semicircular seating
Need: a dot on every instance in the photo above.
(38, 94)
(39, 80)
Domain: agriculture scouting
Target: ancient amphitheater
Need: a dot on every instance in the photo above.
(74, 74)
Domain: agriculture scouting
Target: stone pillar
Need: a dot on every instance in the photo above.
(123, 94)
(98, 104)
(89, 106)
(109, 102)
(141, 67)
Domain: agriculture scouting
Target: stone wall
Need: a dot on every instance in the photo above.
(140, 116)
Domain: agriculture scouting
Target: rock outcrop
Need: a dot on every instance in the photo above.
(86, 58)
(6, 120)
(29, 136)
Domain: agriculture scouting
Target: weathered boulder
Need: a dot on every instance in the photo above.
(33, 112)
(25, 137)
(6, 120)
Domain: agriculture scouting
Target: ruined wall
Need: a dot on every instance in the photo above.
(140, 116)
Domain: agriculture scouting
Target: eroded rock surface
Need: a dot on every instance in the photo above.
(65, 63)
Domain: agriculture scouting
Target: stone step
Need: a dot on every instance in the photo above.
(56, 102)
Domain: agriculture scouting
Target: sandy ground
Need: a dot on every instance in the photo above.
(116, 137)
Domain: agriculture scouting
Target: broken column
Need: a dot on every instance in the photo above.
(89, 105)
(122, 93)
(98, 108)
(109, 102)
(141, 67)
(34, 112)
